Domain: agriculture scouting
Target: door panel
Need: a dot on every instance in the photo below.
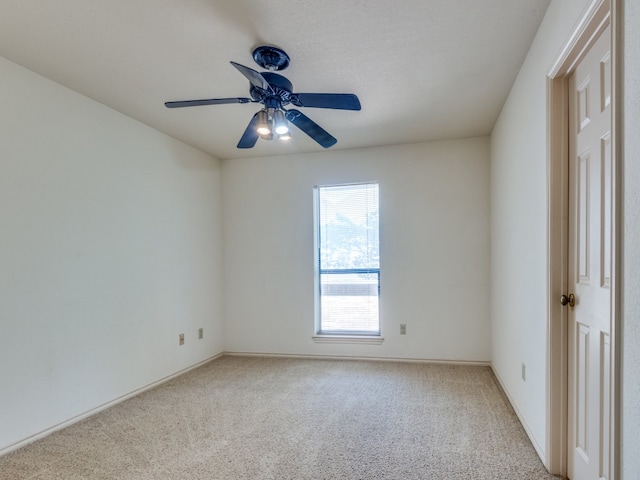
(582, 213)
(607, 197)
(582, 390)
(590, 207)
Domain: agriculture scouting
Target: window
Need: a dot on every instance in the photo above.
(347, 260)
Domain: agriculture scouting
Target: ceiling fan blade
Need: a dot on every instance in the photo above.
(208, 101)
(254, 77)
(250, 135)
(338, 101)
(311, 128)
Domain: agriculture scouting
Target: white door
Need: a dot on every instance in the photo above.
(590, 209)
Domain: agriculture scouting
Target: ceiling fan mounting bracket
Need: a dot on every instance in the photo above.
(271, 58)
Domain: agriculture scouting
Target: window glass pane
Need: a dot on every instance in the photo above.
(349, 302)
(348, 259)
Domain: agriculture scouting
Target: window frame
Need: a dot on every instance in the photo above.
(340, 336)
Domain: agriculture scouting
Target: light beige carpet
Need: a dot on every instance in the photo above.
(296, 419)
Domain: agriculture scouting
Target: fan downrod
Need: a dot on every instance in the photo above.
(271, 58)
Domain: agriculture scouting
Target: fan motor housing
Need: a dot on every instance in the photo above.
(281, 86)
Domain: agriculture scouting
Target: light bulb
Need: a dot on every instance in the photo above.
(263, 123)
(280, 122)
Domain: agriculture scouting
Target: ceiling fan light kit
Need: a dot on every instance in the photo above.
(263, 123)
(275, 92)
(280, 123)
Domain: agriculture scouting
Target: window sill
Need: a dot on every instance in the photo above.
(359, 339)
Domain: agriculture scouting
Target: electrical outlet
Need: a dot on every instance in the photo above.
(201, 333)
(524, 372)
(403, 329)
(181, 341)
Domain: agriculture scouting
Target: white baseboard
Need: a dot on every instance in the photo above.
(527, 430)
(93, 411)
(348, 357)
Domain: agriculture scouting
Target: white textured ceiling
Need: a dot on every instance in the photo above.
(423, 69)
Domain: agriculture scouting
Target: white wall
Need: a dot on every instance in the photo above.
(434, 249)
(519, 225)
(110, 246)
(631, 269)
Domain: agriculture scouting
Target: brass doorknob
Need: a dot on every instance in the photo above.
(570, 300)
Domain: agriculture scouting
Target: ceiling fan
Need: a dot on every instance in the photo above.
(275, 92)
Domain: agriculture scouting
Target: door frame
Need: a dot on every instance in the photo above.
(596, 17)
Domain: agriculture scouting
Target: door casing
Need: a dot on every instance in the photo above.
(598, 15)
